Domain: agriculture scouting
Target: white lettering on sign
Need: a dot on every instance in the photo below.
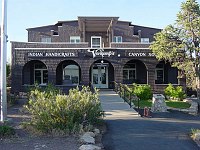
(35, 54)
(59, 54)
(54, 54)
(141, 54)
(137, 54)
(151, 54)
(101, 52)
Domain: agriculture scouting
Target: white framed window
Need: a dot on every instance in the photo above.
(46, 39)
(75, 39)
(40, 73)
(71, 74)
(117, 39)
(129, 72)
(144, 40)
(95, 41)
(159, 74)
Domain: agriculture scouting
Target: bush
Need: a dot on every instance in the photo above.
(174, 93)
(6, 131)
(169, 90)
(142, 91)
(52, 111)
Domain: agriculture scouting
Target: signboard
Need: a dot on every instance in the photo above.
(101, 52)
(52, 54)
(141, 54)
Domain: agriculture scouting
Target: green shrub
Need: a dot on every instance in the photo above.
(52, 111)
(142, 91)
(6, 131)
(169, 90)
(174, 93)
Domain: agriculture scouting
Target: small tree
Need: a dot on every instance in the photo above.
(180, 43)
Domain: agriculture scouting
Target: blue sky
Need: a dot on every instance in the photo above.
(23, 14)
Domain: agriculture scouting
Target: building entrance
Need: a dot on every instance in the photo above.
(100, 75)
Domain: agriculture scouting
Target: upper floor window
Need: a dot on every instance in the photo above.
(96, 42)
(144, 40)
(117, 39)
(46, 39)
(75, 39)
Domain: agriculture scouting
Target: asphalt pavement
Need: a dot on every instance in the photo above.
(128, 131)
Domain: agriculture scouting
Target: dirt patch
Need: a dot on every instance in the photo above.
(23, 140)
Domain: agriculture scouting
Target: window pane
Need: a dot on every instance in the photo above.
(96, 42)
(71, 74)
(72, 41)
(125, 74)
(75, 39)
(131, 74)
(144, 40)
(38, 76)
(45, 76)
(159, 75)
(46, 39)
(117, 39)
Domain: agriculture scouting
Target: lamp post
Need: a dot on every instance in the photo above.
(3, 61)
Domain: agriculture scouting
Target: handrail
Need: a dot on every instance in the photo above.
(125, 93)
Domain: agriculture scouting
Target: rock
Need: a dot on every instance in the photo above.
(158, 103)
(197, 136)
(87, 139)
(96, 131)
(90, 133)
(89, 147)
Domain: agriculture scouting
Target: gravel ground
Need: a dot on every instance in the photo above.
(24, 140)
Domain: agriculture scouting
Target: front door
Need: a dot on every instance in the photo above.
(100, 76)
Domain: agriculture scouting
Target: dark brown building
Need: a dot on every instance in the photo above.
(90, 50)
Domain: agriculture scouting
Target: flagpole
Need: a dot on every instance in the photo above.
(3, 62)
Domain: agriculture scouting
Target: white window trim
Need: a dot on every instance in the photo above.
(162, 69)
(128, 69)
(117, 39)
(144, 40)
(95, 37)
(75, 38)
(42, 76)
(46, 39)
(70, 74)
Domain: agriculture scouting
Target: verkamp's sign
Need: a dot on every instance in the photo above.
(101, 52)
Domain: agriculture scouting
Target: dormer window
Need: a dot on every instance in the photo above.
(75, 39)
(46, 39)
(117, 39)
(144, 40)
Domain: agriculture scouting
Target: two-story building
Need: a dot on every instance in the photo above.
(89, 51)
